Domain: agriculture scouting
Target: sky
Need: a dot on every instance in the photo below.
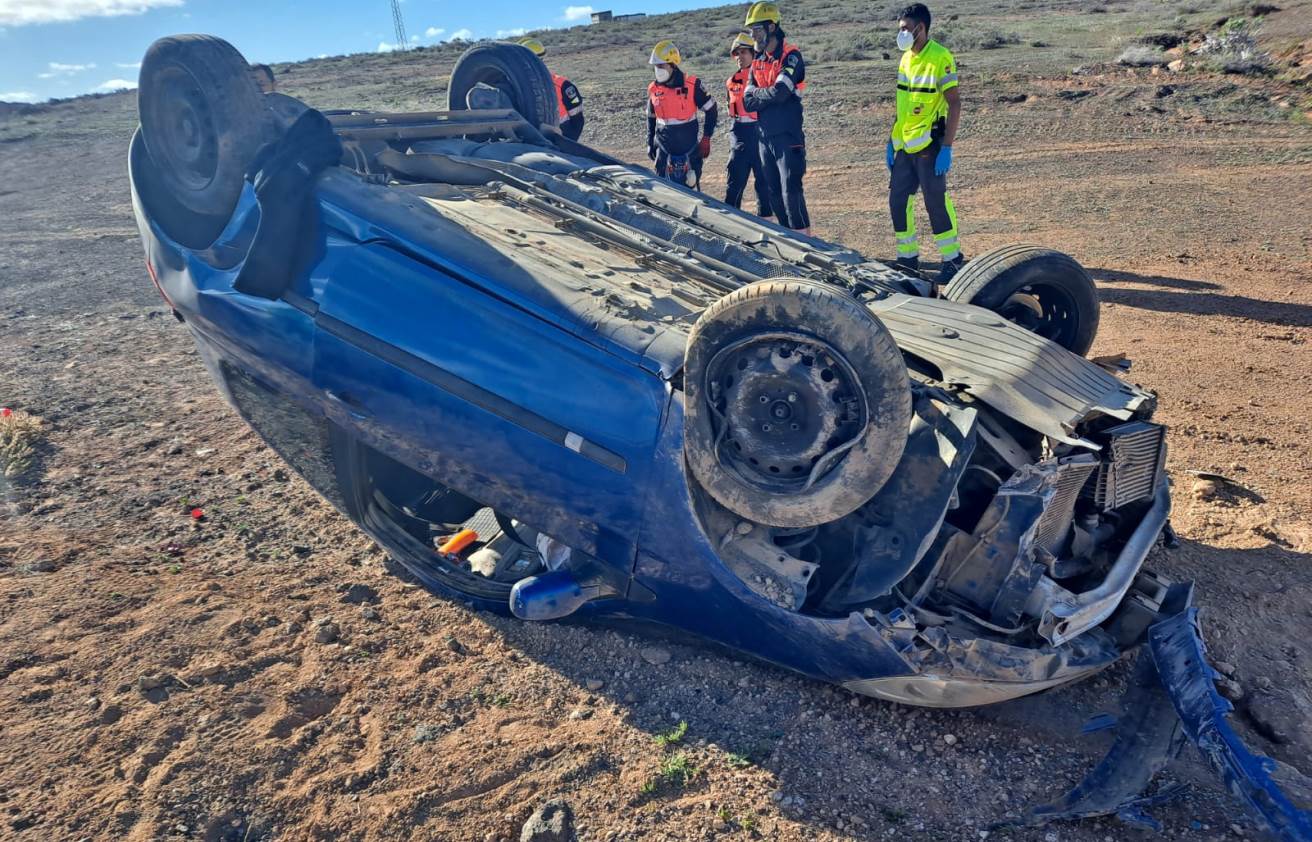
(62, 48)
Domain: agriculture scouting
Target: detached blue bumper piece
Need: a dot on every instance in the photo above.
(1172, 701)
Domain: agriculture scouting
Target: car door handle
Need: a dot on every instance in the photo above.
(350, 403)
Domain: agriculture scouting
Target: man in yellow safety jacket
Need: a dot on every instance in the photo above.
(919, 151)
(568, 99)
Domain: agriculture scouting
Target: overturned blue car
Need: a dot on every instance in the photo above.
(552, 384)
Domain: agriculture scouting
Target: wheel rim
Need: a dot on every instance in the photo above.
(784, 409)
(1044, 309)
(188, 140)
(500, 81)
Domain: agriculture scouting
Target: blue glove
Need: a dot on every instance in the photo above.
(889, 154)
(943, 162)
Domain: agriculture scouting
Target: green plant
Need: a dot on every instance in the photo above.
(19, 433)
(678, 770)
(738, 761)
(673, 736)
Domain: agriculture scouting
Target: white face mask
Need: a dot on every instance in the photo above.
(905, 39)
(662, 74)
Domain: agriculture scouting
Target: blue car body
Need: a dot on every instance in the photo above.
(403, 339)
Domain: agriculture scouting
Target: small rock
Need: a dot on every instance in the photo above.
(594, 684)
(950, 739)
(1264, 684)
(93, 702)
(369, 613)
(1205, 489)
(425, 733)
(455, 646)
(581, 713)
(328, 632)
(1175, 66)
(209, 670)
(360, 595)
(552, 822)
(1225, 668)
(1231, 690)
(744, 682)
(655, 655)
(110, 714)
(150, 682)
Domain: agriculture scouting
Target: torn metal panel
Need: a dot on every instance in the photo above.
(1022, 375)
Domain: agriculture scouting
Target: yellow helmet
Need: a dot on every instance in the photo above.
(761, 11)
(665, 53)
(740, 41)
(533, 44)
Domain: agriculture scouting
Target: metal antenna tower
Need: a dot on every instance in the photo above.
(399, 23)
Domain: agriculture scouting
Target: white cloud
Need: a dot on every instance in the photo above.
(128, 65)
(575, 13)
(17, 96)
(58, 69)
(434, 32)
(414, 39)
(462, 35)
(23, 12)
(116, 85)
(384, 47)
(511, 33)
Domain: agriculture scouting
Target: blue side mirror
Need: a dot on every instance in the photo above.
(549, 596)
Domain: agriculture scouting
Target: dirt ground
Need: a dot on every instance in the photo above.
(164, 677)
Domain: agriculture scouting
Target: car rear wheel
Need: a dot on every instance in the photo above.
(202, 119)
(514, 70)
(797, 403)
(1043, 291)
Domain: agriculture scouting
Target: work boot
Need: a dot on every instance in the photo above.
(949, 269)
(910, 265)
(764, 213)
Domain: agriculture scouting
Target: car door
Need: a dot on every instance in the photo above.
(485, 396)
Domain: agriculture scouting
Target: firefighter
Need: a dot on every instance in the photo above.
(673, 100)
(744, 149)
(774, 93)
(919, 151)
(568, 99)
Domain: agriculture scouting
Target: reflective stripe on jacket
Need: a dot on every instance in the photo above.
(765, 70)
(737, 84)
(673, 106)
(567, 97)
(922, 79)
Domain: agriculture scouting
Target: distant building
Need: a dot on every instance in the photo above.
(598, 17)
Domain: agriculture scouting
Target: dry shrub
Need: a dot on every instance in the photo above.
(19, 433)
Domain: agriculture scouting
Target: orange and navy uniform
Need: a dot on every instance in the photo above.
(672, 108)
(736, 86)
(775, 92)
(570, 104)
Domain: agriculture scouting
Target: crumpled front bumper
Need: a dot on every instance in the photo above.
(1171, 701)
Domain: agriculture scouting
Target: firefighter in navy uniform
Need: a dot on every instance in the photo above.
(774, 92)
(568, 99)
(673, 100)
(744, 149)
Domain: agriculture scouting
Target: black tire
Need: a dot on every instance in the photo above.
(202, 119)
(1043, 290)
(845, 384)
(513, 69)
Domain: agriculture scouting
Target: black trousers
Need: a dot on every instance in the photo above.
(783, 160)
(912, 172)
(745, 160)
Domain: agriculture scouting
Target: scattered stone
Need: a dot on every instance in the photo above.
(210, 670)
(370, 613)
(581, 713)
(1264, 684)
(1206, 489)
(1231, 690)
(145, 683)
(359, 595)
(1273, 718)
(455, 645)
(950, 739)
(552, 822)
(110, 714)
(594, 684)
(655, 655)
(1225, 668)
(93, 702)
(426, 733)
(328, 632)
